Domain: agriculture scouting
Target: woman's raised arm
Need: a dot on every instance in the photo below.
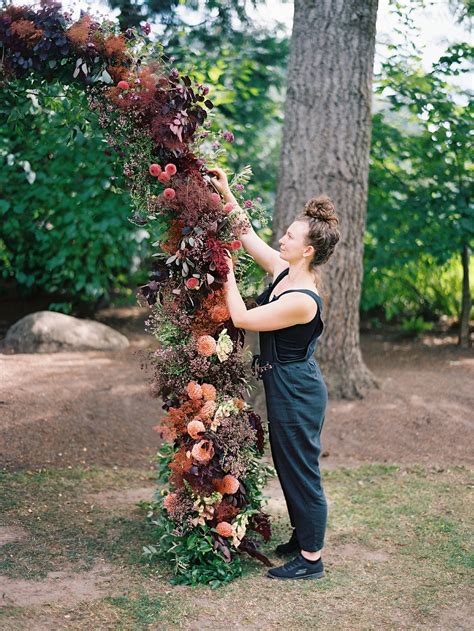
(264, 255)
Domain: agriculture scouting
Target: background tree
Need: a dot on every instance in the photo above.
(325, 149)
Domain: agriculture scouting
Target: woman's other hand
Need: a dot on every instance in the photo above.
(219, 181)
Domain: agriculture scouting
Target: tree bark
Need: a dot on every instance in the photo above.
(466, 302)
(325, 150)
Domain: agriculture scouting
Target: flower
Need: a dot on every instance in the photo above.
(236, 244)
(169, 501)
(206, 345)
(219, 313)
(194, 390)
(208, 392)
(170, 169)
(146, 28)
(203, 451)
(248, 203)
(192, 283)
(239, 187)
(164, 177)
(224, 529)
(224, 346)
(228, 136)
(228, 207)
(207, 410)
(169, 193)
(195, 428)
(228, 485)
(154, 169)
(216, 198)
(124, 85)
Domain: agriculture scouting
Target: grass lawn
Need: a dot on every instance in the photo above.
(396, 557)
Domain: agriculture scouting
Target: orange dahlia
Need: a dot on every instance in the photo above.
(228, 485)
(206, 345)
(207, 410)
(224, 529)
(208, 392)
(195, 428)
(194, 390)
(203, 451)
(219, 313)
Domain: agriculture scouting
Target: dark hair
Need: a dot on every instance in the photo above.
(323, 232)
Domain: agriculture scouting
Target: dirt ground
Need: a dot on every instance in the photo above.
(61, 413)
(94, 408)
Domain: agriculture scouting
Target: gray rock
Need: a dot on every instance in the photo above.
(52, 332)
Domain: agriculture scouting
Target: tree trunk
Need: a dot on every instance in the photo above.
(325, 150)
(466, 302)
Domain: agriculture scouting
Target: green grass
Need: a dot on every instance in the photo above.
(397, 554)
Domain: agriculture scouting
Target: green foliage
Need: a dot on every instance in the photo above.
(419, 216)
(195, 559)
(64, 227)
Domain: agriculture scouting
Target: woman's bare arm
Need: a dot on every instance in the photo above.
(264, 255)
(286, 311)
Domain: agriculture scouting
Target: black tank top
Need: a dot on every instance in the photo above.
(292, 341)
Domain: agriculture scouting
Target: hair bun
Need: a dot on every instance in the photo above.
(321, 208)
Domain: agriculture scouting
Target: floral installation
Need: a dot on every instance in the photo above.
(158, 123)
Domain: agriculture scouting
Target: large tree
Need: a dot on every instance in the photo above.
(325, 149)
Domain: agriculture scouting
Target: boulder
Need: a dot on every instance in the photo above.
(52, 332)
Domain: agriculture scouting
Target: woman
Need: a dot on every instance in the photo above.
(289, 323)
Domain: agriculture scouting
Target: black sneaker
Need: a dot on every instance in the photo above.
(288, 548)
(299, 567)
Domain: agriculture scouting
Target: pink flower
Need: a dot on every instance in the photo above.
(239, 187)
(216, 198)
(169, 193)
(236, 244)
(228, 207)
(192, 283)
(229, 136)
(164, 177)
(146, 28)
(154, 169)
(170, 169)
(248, 203)
(123, 85)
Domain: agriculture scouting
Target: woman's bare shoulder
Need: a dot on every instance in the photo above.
(278, 269)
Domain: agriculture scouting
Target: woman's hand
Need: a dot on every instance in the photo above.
(230, 264)
(219, 181)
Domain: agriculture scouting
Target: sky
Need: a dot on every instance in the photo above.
(438, 26)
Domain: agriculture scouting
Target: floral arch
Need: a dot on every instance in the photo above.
(210, 463)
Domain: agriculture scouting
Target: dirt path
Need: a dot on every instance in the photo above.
(94, 408)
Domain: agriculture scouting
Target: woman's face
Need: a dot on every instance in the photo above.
(293, 243)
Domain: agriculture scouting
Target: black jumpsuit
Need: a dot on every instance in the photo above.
(296, 398)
